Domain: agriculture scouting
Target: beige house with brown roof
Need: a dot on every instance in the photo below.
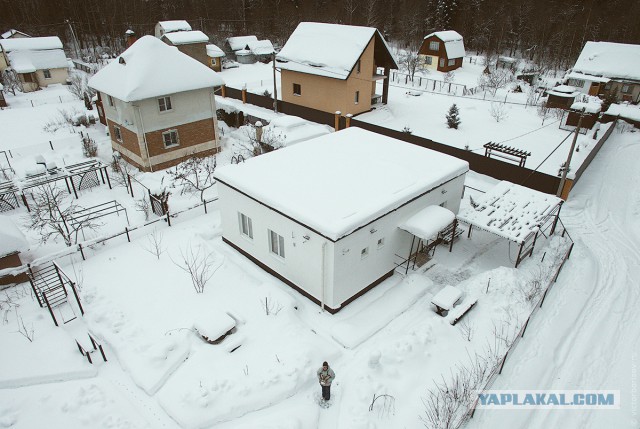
(333, 67)
(158, 116)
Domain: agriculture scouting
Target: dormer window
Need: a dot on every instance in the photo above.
(434, 46)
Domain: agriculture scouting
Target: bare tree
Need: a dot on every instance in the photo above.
(10, 81)
(122, 170)
(52, 215)
(199, 265)
(498, 111)
(371, 13)
(467, 330)
(195, 174)
(271, 306)
(28, 333)
(259, 144)
(79, 85)
(495, 80)
(154, 243)
(409, 59)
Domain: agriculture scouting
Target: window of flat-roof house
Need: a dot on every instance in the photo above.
(380, 243)
(170, 138)
(297, 89)
(364, 253)
(276, 244)
(626, 89)
(246, 226)
(434, 46)
(110, 99)
(578, 83)
(47, 73)
(117, 133)
(164, 103)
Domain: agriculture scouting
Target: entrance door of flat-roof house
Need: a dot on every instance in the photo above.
(595, 88)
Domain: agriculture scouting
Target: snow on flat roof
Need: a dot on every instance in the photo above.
(588, 107)
(582, 76)
(612, 60)
(214, 52)
(142, 76)
(31, 43)
(177, 25)
(240, 42)
(453, 42)
(428, 222)
(624, 111)
(261, 47)
(186, 37)
(30, 61)
(11, 238)
(325, 49)
(339, 182)
(510, 211)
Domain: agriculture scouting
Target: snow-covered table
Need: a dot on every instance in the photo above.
(214, 325)
(446, 299)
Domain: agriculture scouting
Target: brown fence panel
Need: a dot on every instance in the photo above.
(594, 152)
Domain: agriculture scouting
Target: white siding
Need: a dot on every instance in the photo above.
(186, 107)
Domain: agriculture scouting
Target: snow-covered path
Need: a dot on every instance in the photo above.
(587, 336)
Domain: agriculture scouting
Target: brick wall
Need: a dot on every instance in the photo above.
(189, 134)
(129, 138)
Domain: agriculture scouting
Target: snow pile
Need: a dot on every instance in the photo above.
(31, 44)
(214, 324)
(330, 50)
(624, 111)
(428, 222)
(11, 238)
(186, 37)
(453, 43)
(511, 211)
(612, 60)
(213, 51)
(370, 175)
(240, 42)
(176, 25)
(135, 74)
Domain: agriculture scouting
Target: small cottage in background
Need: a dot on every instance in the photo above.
(12, 243)
(607, 68)
(442, 51)
(237, 48)
(215, 56)
(13, 34)
(335, 242)
(37, 61)
(192, 43)
(590, 115)
(164, 27)
(562, 96)
(158, 116)
(332, 67)
(262, 50)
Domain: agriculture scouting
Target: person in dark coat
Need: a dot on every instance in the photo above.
(325, 377)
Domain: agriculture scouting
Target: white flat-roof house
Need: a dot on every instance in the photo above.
(605, 67)
(158, 113)
(327, 216)
(37, 61)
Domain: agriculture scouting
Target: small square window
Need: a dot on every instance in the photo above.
(110, 99)
(297, 89)
(356, 98)
(380, 243)
(246, 226)
(164, 103)
(117, 133)
(434, 46)
(364, 253)
(170, 138)
(214, 62)
(47, 73)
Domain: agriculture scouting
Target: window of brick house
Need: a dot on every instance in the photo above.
(297, 89)
(164, 103)
(441, 62)
(117, 133)
(170, 138)
(358, 67)
(429, 60)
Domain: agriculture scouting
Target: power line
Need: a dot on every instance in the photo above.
(529, 132)
(544, 160)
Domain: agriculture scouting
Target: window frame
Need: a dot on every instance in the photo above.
(428, 60)
(356, 97)
(164, 102)
(358, 67)
(628, 89)
(451, 62)
(117, 132)
(380, 242)
(441, 62)
(110, 101)
(578, 83)
(276, 244)
(246, 226)
(434, 45)
(46, 72)
(172, 145)
(364, 253)
(299, 88)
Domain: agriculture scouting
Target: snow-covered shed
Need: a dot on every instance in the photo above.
(332, 67)
(514, 212)
(192, 43)
(262, 50)
(164, 27)
(158, 115)
(324, 215)
(237, 43)
(606, 67)
(215, 55)
(12, 243)
(589, 117)
(442, 51)
(562, 96)
(38, 61)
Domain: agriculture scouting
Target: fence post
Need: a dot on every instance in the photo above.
(75, 293)
(126, 230)
(244, 94)
(348, 120)
(51, 144)
(337, 120)
(33, 285)
(168, 219)
(44, 295)
(504, 359)
(205, 206)
(81, 252)
(223, 90)
(130, 187)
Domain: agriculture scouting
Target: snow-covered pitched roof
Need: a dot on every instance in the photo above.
(261, 47)
(612, 60)
(428, 222)
(563, 91)
(11, 238)
(214, 52)
(511, 211)
(151, 68)
(330, 50)
(186, 37)
(582, 76)
(453, 42)
(11, 33)
(339, 182)
(624, 111)
(31, 43)
(177, 25)
(30, 61)
(240, 42)
(591, 107)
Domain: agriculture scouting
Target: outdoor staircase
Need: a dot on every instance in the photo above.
(49, 288)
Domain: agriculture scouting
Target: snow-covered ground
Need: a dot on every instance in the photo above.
(161, 373)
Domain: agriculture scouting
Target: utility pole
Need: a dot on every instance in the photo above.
(275, 87)
(568, 163)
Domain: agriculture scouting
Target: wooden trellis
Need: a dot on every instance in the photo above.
(506, 152)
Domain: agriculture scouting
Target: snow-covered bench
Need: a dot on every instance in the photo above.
(214, 326)
(446, 299)
(459, 312)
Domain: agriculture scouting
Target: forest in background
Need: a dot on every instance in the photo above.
(548, 32)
